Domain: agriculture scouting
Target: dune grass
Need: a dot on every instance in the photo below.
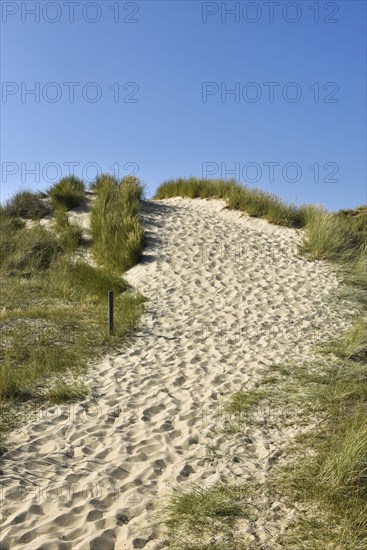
(68, 193)
(202, 518)
(117, 232)
(53, 313)
(26, 204)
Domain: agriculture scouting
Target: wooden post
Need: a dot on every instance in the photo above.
(110, 312)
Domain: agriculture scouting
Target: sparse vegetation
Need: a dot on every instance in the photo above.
(64, 393)
(27, 250)
(331, 470)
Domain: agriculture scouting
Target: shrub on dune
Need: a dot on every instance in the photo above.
(26, 204)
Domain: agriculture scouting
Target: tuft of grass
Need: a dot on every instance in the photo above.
(28, 250)
(342, 465)
(9, 229)
(353, 343)
(26, 204)
(329, 237)
(242, 402)
(203, 518)
(68, 193)
(117, 232)
(104, 180)
(65, 393)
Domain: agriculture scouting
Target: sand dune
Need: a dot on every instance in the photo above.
(228, 296)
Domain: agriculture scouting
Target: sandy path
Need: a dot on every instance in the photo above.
(227, 297)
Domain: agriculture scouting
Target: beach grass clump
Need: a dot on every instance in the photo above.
(331, 237)
(202, 518)
(241, 403)
(26, 204)
(353, 343)
(68, 193)
(63, 392)
(9, 229)
(28, 250)
(103, 180)
(117, 231)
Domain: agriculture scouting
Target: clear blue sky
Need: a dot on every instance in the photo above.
(179, 126)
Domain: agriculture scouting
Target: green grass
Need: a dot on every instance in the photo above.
(26, 204)
(62, 392)
(69, 234)
(53, 313)
(201, 518)
(331, 237)
(117, 232)
(242, 402)
(104, 180)
(353, 343)
(27, 250)
(73, 280)
(68, 193)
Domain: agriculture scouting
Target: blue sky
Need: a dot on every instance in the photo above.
(174, 64)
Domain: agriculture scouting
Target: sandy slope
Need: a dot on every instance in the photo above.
(227, 297)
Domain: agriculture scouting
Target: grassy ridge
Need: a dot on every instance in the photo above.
(53, 305)
(255, 202)
(334, 479)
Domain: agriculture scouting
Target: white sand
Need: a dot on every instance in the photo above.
(88, 475)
